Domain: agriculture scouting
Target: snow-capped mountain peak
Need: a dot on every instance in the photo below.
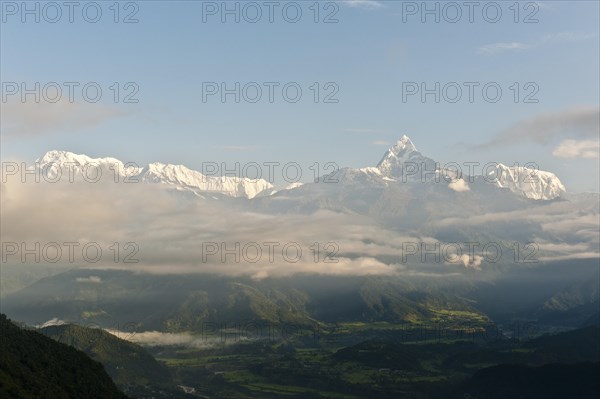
(404, 145)
(401, 150)
(394, 161)
(404, 163)
(77, 165)
(401, 163)
(178, 177)
(58, 157)
(529, 182)
(184, 177)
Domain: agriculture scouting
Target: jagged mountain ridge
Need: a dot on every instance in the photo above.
(402, 163)
(177, 177)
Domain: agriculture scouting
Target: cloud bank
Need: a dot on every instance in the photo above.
(148, 228)
(577, 122)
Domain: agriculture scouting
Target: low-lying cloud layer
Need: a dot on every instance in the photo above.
(148, 228)
(156, 338)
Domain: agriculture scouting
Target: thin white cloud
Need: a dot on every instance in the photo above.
(381, 142)
(156, 338)
(568, 37)
(366, 4)
(571, 149)
(548, 39)
(497, 48)
(52, 322)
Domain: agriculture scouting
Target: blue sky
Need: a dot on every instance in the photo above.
(370, 54)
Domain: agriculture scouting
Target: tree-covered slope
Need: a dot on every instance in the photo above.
(126, 362)
(35, 366)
